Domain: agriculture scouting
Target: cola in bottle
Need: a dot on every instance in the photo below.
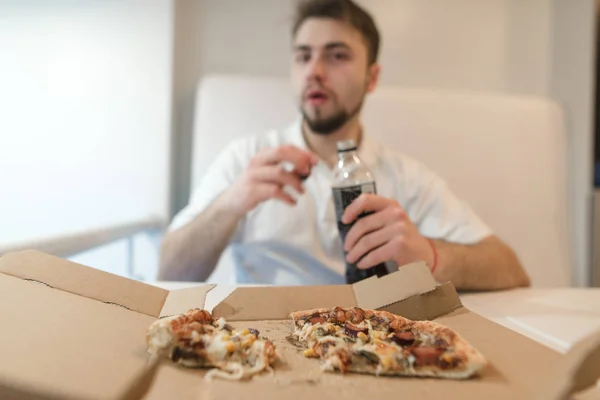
(351, 179)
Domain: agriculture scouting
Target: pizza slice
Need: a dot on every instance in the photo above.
(381, 343)
(195, 339)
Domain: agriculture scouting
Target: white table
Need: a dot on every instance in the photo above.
(557, 318)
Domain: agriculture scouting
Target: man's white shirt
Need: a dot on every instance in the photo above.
(293, 245)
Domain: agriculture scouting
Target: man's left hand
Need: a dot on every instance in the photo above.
(387, 234)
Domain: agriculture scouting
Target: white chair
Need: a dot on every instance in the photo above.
(505, 155)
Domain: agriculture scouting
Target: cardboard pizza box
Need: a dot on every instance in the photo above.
(73, 332)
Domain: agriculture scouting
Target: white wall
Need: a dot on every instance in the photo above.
(85, 103)
(501, 45)
(573, 85)
(534, 47)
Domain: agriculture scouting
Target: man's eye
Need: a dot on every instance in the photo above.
(340, 56)
(302, 57)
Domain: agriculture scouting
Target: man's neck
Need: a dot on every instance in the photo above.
(325, 146)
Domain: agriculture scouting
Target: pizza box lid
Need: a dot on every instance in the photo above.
(74, 332)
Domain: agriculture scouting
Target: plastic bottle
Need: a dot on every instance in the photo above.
(351, 179)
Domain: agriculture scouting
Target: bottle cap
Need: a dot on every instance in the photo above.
(346, 145)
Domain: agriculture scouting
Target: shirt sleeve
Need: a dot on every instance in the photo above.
(220, 175)
(437, 212)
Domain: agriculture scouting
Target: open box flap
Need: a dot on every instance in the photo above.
(61, 345)
(84, 281)
(268, 303)
(182, 300)
(413, 281)
(429, 305)
(409, 280)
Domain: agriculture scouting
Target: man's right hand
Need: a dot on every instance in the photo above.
(266, 177)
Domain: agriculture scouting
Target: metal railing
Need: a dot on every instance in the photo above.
(72, 244)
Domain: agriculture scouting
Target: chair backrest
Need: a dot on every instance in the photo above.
(503, 154)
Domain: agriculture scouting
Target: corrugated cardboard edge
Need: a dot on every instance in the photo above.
(85, 281)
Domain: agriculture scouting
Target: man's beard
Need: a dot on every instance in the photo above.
(329, 125)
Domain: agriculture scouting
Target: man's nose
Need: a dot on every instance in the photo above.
(316, 70)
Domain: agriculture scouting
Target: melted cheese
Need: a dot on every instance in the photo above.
(160, 337)
(221, 323)
(306, 332)
(389, 353)
(196, 337)
(217, 348)
(239, 347)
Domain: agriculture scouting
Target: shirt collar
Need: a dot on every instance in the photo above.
(368, 151)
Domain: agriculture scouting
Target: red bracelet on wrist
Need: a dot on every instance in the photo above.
(435, 255)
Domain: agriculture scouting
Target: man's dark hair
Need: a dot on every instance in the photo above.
(345, 11)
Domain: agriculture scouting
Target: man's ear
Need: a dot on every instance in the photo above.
(373, 77)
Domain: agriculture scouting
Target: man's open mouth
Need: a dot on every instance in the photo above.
(316, 97)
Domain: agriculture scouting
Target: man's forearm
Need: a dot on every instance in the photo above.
(488, 265)
(192, 252)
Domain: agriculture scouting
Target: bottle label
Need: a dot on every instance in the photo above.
(343, 196)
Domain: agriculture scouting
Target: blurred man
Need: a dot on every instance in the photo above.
(245, 197)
